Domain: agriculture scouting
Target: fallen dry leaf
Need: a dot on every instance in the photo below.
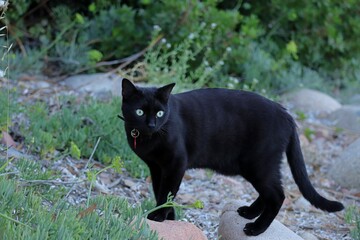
(7, 139)
(87, 211)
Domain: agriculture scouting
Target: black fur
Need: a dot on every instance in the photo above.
(231, 132)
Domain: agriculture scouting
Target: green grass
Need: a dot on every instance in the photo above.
(72, 128)
(27, 212)
(352, 217)
(75, 128)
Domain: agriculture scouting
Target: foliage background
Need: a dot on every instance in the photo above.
(278, 44)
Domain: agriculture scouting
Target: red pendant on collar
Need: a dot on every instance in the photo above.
(135, 134)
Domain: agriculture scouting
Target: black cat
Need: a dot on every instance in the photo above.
(231, 132)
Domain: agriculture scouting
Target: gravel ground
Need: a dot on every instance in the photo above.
(216, 190)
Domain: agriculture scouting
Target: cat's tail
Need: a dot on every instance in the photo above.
(297, 166)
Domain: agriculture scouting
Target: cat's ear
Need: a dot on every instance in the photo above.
(128, 89)
(163, 93)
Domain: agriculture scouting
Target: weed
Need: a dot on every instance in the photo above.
(352, 217)
(301, 115)
(309, 133)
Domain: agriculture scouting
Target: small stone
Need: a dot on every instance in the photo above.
(129, 183)
(176, 230)
(186, 198)
(308, 236)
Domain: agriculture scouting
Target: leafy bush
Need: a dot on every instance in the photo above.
(280, 44)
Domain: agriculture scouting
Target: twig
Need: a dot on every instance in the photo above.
(113, 184)
(139, 54)
(126, 61)
(49, 182)
(71, 189)
(93, 152)
(14, 220)
(8, 173)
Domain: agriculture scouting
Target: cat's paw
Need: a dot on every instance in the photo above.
(247, 212)
(251, 229)
(162, 214)
(157, 216)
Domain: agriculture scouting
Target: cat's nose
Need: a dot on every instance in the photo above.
(151, 125)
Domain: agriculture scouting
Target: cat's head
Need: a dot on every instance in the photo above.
(145, 109)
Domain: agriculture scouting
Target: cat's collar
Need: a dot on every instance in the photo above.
(135, 134)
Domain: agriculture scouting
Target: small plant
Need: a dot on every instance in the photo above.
(352, 217)
(117, 165)
(309, 133)
(301, 115)
(170, 203)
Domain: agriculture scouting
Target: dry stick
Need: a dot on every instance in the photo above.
(18, 41)
(8, 173)
(126, 61)
(139, 54)
(48, 182)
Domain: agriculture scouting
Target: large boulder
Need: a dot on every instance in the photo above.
(176, 230)
(232, 224)
(347, 117)
(100, 84)
(346, 170)
(308, 100)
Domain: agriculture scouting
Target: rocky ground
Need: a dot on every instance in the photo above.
(216, 190)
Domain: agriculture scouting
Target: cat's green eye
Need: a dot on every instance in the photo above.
(139, 112)
(160, 114)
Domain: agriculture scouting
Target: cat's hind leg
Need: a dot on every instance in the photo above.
(252, 211)
(272, 195)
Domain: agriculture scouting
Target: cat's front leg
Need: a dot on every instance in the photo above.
(169, 183)
(155, 172)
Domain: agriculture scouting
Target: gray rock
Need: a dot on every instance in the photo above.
(100, 84)
(231, 226)
(355, 100)
(346, 170)
(308, 100)
(347, 117)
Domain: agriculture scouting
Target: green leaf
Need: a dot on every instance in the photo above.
(79, 18)
(74, 150)
(292, 48)
(95, 55)
(117, 164)
(92, 7)
(198, 204)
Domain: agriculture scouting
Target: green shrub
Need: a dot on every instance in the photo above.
(282, 44)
